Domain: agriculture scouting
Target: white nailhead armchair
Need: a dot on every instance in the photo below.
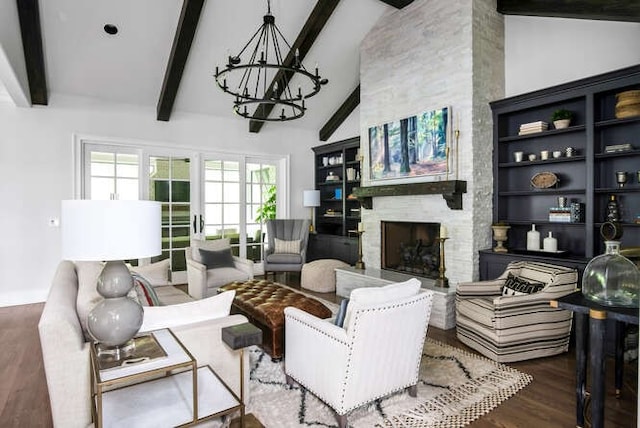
(378, 352)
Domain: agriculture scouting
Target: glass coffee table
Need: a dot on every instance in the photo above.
(157, 386)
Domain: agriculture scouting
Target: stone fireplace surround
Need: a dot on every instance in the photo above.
(405, 69)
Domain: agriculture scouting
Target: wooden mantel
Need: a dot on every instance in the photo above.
(451, 191)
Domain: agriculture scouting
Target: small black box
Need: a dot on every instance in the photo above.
(241, 335)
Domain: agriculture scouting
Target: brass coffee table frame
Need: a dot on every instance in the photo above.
(100, 385)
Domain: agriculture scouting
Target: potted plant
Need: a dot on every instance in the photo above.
(562, 118)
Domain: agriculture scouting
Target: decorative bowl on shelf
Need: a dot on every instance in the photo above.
(544, 180)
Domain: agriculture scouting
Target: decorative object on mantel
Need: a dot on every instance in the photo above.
(500, 236)
(263, 79)
(451, 191)
(442, 280)
(360, 264)
(544, 180)
(411, 147)
(562, 118)
(627, 104)
(112, 231)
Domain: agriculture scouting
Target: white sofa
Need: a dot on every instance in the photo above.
(65, 350)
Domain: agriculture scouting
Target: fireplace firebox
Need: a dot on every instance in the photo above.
(411, 248)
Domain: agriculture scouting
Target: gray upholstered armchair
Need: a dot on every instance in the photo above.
(203, 280)
(287, 245)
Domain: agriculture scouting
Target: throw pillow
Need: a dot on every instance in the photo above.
(216, 259)
(342, 312)
(156, 273)
(144, 291)
(172, 316)
(516, 286)
(211, 245)
(288, 247)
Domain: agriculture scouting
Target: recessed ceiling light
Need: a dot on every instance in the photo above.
(110, 29)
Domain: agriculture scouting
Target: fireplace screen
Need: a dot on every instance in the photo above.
(411, 248)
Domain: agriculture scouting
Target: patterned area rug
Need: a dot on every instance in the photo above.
(455, 388)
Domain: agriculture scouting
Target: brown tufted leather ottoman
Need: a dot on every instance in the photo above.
(263, 302)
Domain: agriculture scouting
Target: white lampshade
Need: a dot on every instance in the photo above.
(110, 230)
(311, 198)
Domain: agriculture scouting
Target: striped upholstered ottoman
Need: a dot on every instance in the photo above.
(320, 275)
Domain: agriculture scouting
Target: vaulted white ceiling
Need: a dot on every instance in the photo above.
(82, 59)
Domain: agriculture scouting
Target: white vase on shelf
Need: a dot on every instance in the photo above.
(550, 244)
(533, 239)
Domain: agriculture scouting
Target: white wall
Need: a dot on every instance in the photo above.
(36, 171)
(13, 71)
(542, 52)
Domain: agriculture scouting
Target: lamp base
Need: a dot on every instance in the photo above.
(115, 353)
(116, 319)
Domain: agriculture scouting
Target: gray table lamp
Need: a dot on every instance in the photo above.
(112, 231)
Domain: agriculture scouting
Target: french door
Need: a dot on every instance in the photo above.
(235, 194)
(169, 181)
(203, 195)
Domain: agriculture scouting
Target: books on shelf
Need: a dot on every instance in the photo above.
(613, 148)
(533, 127)
(560, 215)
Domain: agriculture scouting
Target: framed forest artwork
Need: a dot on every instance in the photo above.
(412, 147)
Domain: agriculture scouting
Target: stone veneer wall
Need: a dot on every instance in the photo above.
(426, 56)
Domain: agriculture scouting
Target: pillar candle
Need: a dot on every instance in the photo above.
(443, 231)
(360, 227)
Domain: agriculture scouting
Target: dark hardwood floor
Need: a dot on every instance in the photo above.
(547, 402)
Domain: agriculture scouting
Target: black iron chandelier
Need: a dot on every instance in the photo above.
(265, 79)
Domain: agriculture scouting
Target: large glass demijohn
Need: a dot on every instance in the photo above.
(611, 279)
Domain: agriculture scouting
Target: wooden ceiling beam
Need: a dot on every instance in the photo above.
(29, 15)
(308, 35)
(609, 10)
(398, 4)
(185, 33)
(343, 112)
